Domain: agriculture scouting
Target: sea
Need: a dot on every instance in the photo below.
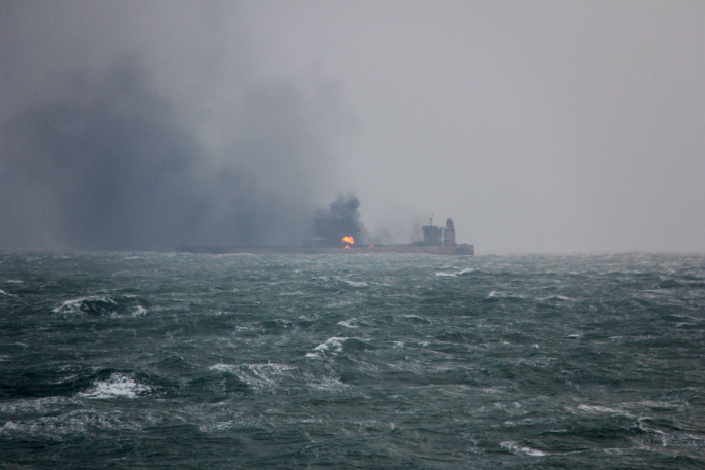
(366, 361)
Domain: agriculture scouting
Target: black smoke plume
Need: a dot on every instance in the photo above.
(108, 166)
(155, 124)
(341, 219)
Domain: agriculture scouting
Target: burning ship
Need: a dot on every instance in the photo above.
(337, 229)
(436, 240)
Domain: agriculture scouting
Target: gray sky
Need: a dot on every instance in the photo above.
(537, 126)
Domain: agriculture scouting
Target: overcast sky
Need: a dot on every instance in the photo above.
(541, 126)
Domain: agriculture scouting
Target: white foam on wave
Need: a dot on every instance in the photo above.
(116, 386)
(139, 311)
(333, 345)
(101, 304)
(462, 272)
(43, 405)
(71, 423)
(495, 295)
(14, 281)
(76, 306)
(516, 449)
(270, 377)
(340, 304)
(355, 284)
(601, 409)
(2, 292)
(466, 271)
(562, 298)
(352, 323)
(260, 377)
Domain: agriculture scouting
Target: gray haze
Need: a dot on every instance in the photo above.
(536, 126)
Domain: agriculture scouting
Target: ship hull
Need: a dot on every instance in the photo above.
(463, 249)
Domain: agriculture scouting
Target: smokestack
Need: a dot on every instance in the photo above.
(449, 233)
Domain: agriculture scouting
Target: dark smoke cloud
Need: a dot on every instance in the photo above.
(342, 219)
(123, 156)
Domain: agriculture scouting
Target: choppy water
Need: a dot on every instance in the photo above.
(357, 361)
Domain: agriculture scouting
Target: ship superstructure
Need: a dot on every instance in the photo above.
(433, 235)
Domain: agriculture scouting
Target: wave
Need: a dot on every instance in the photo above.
(352, 323)
(101, 305)
(495, 296)
(68, 425)
(463, 272)
(515, 449)
(272, 378)
(44, 382)
(259, 377)
(354, 283)
(337, 344)
(118, 385)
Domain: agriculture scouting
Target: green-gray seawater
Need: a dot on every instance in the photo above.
(382, 361)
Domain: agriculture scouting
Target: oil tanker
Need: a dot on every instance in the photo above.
(436, 240)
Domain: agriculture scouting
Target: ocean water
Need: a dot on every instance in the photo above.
(382, 361)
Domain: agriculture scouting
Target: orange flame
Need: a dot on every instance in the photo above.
(349, 240)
